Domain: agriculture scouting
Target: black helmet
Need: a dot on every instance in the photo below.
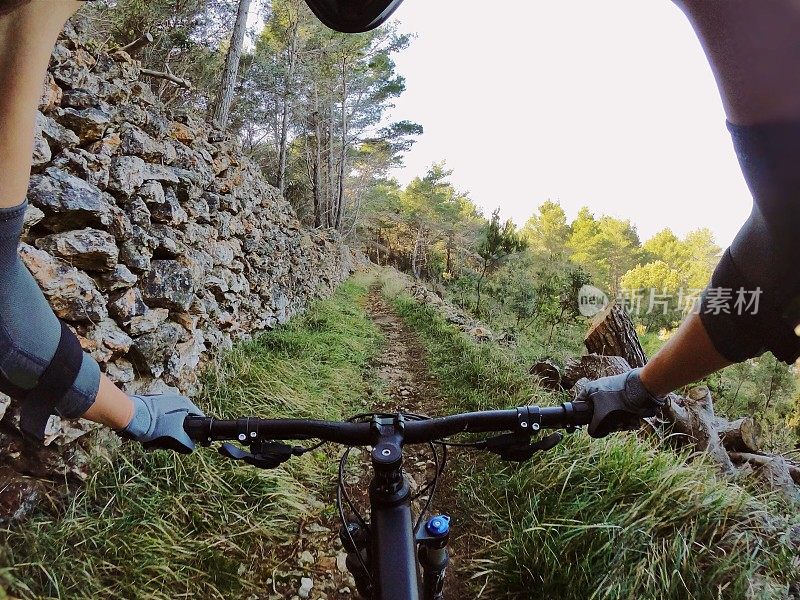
(353, 16)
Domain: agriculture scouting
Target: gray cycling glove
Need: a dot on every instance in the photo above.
(619, 402)
(158, 422)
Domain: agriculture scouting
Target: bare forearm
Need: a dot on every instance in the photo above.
(688, 356)
(112, 407)
(27, 36)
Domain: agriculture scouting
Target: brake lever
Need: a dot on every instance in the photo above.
(264, 455)
(518, 448)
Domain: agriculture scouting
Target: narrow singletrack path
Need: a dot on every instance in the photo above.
(402, 384)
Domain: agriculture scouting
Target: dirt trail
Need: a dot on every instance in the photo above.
(406, 386)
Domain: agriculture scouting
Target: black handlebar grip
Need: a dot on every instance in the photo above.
(197, 428)
(582, 412)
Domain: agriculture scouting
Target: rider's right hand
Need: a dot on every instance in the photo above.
(158, 422)
(619, 402)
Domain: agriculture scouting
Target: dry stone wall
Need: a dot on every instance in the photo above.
(154, 238)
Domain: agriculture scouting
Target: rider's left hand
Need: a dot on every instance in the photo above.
(158, 422)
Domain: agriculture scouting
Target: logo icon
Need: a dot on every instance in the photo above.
(591, 300)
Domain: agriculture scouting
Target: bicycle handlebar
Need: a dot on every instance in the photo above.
(525, 419)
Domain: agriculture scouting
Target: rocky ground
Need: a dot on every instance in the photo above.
(315, 563)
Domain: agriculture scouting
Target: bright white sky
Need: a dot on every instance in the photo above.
(606, 104)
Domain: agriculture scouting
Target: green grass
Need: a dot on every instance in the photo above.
(617, 518)
(158, 525)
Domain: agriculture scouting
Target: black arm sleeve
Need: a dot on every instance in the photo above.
(763, 262)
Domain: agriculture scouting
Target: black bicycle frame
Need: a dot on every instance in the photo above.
(393, 547)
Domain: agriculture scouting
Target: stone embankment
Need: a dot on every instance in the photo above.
(155, 239)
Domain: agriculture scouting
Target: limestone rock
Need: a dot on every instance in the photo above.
(19, 495)
(72, 294)
(148, 322)
(110, 341)
(147, 385)
(127, 174)
(41, 151)
(90, 249)
(132, 255)
(169, 211)
(182, 365)
(92, 168)
(89, 123)
(182, 133)
(168, 285)
(56, 135)
(33, 216)
(151, 350)
(108, 146)
(168, 241)
(127, 305)
(119, 278)
(78, 98)
(68, 201)
(152, 192)
(51, 95)
(138, 143)
(120, 371)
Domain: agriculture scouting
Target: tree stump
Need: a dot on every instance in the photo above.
(741, 435)
(592, 366)
(548, 373)
(612, 334)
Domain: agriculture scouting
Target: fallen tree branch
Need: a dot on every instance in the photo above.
(776, 470)
(764, 459)
(143, 40)
(694, 422)
(180, 81)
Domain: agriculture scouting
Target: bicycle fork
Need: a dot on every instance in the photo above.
(432, 554)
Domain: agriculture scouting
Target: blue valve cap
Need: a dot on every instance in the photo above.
(438, 526)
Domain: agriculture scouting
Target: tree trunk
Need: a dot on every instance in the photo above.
(319, 195)
(478, 289)
(343, 150)
(283, 144)
(449, 263)
(415, 255)
(222, 106)
(612, 334)
(330, 189)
